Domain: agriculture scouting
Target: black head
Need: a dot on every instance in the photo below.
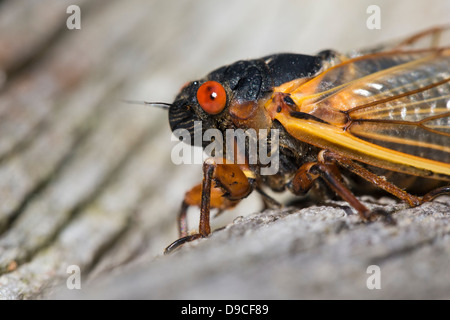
(207, 100)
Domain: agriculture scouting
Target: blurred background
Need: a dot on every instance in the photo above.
(86, 179)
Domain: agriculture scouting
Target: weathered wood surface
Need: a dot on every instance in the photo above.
(87, 180)
(314, 253)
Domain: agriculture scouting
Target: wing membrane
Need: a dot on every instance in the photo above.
(350, 74)
(393, 102)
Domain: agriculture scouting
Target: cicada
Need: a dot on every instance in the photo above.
(380, 117)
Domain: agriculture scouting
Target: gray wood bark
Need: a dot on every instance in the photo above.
(87, 180)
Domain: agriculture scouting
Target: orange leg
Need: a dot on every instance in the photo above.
(326, 169)
(309, 172)
(432, 34)
(231, 186)
(329, 156)
(436, 193)
(193, 198)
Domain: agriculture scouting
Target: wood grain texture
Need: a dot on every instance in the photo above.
(314, 253)
(87, 180)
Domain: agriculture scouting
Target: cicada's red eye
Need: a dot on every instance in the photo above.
(212, 97)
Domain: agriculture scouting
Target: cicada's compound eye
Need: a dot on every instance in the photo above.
(212, 97)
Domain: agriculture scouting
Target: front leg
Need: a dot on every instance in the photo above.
(232, 183)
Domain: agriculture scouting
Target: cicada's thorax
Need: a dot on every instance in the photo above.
(291, 154)
(255, 133)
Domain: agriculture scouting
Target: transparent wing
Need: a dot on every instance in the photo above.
(397, 102)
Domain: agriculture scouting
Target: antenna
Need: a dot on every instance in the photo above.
(161, 105)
